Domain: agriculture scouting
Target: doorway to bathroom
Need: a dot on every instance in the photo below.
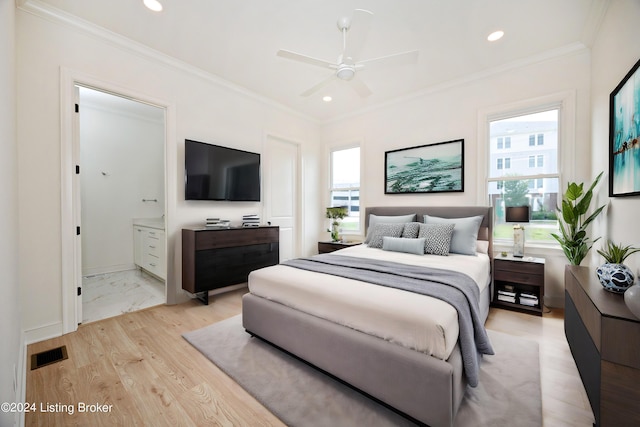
(122, 204)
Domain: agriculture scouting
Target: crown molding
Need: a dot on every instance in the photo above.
(57, 16)
(596, 16)
(563, 51)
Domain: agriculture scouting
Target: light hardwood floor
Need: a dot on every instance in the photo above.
(140, 365)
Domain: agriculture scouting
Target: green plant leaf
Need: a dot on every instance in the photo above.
(595, 182)
(592, 216)
(583, 205)
(574, 191)
(568, 214)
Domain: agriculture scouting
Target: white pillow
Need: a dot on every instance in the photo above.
(465, 232)
(482, 246)
(403, 244)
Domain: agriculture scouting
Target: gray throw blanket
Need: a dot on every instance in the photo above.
(453, 287)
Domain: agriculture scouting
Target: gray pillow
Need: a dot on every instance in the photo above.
(376, 219)
(401, 244)
(410, 230)
(380, 230)
(465, 232)
(437, 238)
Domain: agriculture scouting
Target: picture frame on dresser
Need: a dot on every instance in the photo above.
(430, 168)
(624, 136)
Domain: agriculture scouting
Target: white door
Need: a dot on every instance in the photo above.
(281, 186)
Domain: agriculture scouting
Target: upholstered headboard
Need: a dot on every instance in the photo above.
(486, 227)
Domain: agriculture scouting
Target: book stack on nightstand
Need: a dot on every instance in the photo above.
(519, 283)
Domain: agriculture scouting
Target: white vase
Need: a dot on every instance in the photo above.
(632, 299)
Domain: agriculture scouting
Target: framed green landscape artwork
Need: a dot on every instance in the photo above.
(431, 168)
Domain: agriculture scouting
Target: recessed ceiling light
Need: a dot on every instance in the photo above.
(496, 35)
(327, 98)
(154, 5)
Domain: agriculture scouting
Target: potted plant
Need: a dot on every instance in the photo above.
(573, 226)
(336, 213)
(614, 275)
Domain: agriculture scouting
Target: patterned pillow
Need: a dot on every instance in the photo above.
(437, 238)
(411, 230)
(376, 219)
(379, 230)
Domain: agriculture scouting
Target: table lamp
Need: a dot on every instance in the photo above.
(517, 214)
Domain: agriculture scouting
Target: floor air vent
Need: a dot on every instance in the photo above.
(48, 357)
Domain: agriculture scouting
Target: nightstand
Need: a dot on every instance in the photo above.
(518, 283)
(326, 247)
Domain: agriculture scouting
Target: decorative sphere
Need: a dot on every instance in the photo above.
(632, 299)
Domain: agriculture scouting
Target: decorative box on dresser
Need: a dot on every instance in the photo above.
(604, 338)
(213, 258)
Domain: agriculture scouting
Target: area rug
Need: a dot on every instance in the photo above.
(299, 395)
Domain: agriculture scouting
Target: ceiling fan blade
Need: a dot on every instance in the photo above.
(357, 33)
(360, 87)
(409, 57)
(318, 86)
(306, 59)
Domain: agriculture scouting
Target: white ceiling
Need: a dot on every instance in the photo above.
(237, 40)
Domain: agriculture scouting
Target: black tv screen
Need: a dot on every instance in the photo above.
(213, 172)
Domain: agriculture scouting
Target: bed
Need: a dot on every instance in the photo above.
(399, 347)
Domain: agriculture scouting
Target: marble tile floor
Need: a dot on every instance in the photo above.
(110, 294)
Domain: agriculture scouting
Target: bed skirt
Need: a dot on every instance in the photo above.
(425, 388)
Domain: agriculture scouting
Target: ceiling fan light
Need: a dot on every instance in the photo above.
(154, 5)
(496, 35)
(327, 98)
(346, 72)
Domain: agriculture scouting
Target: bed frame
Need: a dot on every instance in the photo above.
(383, 370)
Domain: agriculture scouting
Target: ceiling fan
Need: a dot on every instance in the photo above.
(347, 67)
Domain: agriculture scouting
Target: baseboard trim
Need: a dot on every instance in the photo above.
(42, 333)
(94, 271)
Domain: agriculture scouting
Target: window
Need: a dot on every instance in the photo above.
(345, 185)
(504, 142)
(533, 142)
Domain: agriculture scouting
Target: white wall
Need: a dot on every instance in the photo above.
(11, 351)
(203, 109)
(452, 113)
(122, 162)
(615, 51)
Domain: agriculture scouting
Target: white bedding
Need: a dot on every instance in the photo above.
(416, 321)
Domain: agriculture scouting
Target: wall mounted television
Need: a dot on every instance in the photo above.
(214, 172)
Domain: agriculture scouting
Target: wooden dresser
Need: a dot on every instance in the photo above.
(604, 338)
(214, 258)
